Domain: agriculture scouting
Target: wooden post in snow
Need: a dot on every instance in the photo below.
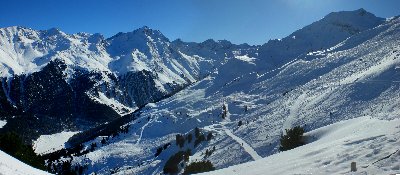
(353, 167)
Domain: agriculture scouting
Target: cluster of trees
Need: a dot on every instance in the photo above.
(292, 139)
(209, 152)
(171, 166)
(111, 129)
(180, 140)
(199, 137)
(65, 167)
(199, 140)
(13, 145)
(161, 148)
(199, 167)
(181, 157)
(57, 166)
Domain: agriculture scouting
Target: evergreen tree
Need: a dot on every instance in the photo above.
(292, 139)
(209, 136)
(180, 140)
(196, 132)
(189, 137)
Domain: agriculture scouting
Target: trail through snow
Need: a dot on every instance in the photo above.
(241, 142)
(141, 132)
(244, 145)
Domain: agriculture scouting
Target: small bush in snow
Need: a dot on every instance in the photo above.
(158, 152)
(240, 123)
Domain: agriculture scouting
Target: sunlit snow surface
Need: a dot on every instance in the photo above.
(363, 140)
(50, 143)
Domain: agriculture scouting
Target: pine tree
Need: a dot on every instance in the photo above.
(292, 139)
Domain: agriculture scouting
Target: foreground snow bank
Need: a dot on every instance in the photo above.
(10, 165)
(371, 143)
(50, 143)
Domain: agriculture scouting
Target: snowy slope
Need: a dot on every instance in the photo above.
(50, 143)
(10, 165)
(371, 143)
(355, 77)
(320, 35)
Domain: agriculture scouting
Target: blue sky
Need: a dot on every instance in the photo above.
(239, 21)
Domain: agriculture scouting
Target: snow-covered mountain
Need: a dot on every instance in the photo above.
(92, 79)
(320, 35)
(341, 67)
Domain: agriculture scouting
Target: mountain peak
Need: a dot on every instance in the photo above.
(54, 31)
(354, 21)
(96, 38)
(144, 31)
(359, 14)
(123, 43)
(145, 28)
(361, 10)
(15, 29)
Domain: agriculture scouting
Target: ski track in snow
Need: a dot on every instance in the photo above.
(244, 145)
(141, 132)
(241, 142)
